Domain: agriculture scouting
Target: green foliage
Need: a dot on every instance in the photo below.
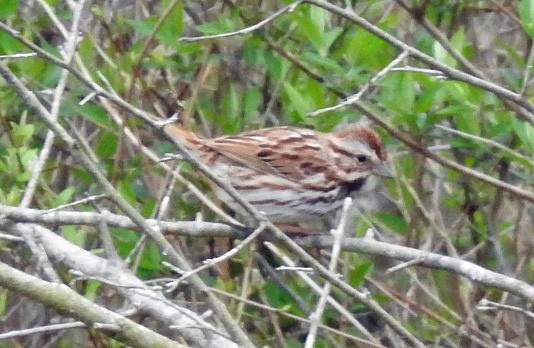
(526, 12)
(298, 63)
(358, 274)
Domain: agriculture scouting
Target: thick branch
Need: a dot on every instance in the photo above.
(145, 299)
(467, 269)
(67, 301)
(186, 228)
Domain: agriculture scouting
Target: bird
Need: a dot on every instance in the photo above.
(292, 174)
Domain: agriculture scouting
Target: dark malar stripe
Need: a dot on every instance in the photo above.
(347, 188)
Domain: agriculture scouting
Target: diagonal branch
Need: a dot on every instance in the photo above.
(67, 301)
(450, 72)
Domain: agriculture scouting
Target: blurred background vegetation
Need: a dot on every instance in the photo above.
(303, 60)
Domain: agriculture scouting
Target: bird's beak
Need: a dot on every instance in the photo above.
(383, 170)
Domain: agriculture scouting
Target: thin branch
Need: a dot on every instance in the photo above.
(37, 166)
(289, 8)
(18, 55)
(146, 300)
(212, 262)
(487, 305)
(488, 142)
(315, 317)
(186, 228)
(396, 133)
(378, 119)
(467, 269)
(354, 98)
(67, 301)
(300, 319)
(42, 329)
(318, 290)
(452, 73)
(152, 231)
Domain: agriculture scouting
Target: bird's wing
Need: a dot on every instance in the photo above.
(279, 151)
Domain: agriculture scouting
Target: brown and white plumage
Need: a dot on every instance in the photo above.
(293, 174)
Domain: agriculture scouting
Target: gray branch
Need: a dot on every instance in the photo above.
(144, 298)
(467, 269)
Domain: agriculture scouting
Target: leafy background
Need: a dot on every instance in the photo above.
(298, 63)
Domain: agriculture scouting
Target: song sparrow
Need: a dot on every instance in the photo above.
(292, 174)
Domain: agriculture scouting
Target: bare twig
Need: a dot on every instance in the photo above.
(146, 300)
(42, 329)
(289, 8)
(292, 316)
(487, 305)
(488, 142)
(315, 317)
(85, 200)
(64, 299)
(354, 98)
(318, 290)
(469, 270)
(70, 50)
(153, 231)
(212, 262)
(451, 73)
(18, 55)
(191, 228)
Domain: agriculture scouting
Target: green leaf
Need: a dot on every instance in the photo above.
(9, 45)
(124, 240)
(311, 31)
(126, 190)
(357, 276)
(277, 297)
(323, 62)
(9, 7)
(365, 49)
(27, 156)
(526, 13)
(65, 196)
(319, 17)
(91, 288)
(22, 132)
(457, 41)
(106, 145)
(3, 301)
(296, 101)
(151, 259)
(393, 221)
(525, 132)
(401, 90)
(213, 28)
(274, 65)
(172, 27)
(467, 121)
(144, 27)
(331, 36)
(231, 109)
(74, 234)
(252, 102)
(95, 114)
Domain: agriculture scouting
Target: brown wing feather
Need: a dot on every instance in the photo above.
(242, 153)
(290, 153)
(178, 132)
(261, 151)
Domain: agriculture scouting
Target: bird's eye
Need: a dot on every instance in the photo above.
(362, 158)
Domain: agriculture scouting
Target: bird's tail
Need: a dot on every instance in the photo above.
(187, 136)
